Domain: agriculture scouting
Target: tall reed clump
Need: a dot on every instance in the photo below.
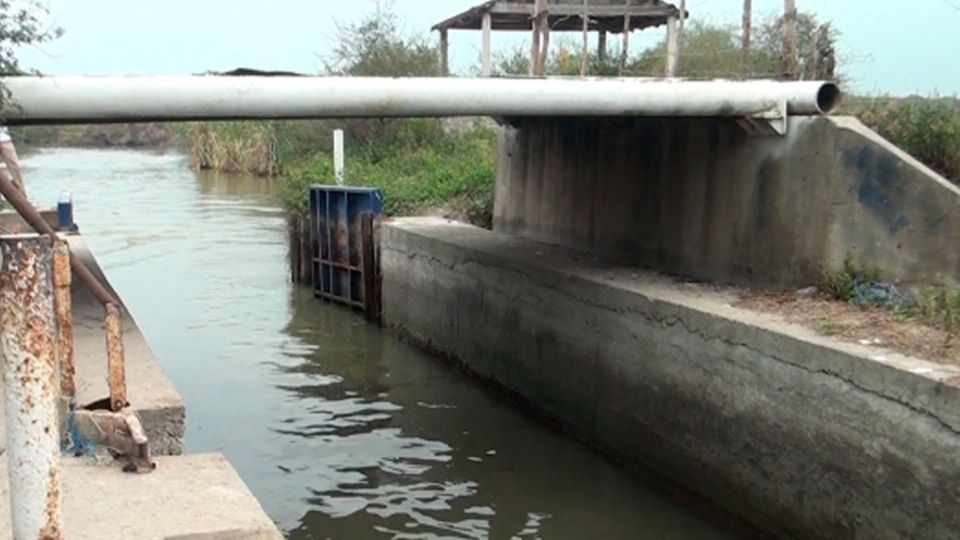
(236, 147)
(927, 128)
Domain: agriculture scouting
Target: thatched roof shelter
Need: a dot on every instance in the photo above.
(601, 16)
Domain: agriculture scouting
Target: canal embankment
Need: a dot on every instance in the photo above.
(799, 433)
(568, 304)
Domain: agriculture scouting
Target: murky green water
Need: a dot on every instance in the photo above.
(340, 430)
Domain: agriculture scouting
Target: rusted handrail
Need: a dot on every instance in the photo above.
(35, 220)
(116, 370)
(63, 304)
(112, 316)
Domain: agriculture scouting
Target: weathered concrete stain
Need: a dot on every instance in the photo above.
(880, 188)
(699, 197)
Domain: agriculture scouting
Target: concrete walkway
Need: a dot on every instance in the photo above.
(198, 497)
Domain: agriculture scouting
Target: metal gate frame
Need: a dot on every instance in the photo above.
(344, 248)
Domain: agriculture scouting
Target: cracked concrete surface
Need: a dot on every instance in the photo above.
(802, 435)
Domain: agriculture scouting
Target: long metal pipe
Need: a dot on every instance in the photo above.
(65, 100)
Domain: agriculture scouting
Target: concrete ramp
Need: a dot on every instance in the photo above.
(700, 197)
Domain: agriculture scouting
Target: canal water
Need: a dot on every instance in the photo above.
(340, 430)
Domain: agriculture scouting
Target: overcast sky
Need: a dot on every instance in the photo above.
(892, 46)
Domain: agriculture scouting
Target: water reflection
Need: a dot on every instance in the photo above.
(340, 430)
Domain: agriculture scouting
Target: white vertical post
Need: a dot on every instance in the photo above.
(673, 46)
(487, 45)
(338, 162)
(28, 340)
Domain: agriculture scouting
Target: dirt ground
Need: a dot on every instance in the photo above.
(870, 327)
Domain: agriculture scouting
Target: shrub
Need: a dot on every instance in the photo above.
(928, 129)
(416, 170)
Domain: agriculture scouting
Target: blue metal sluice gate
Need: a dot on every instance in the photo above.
(342, 221)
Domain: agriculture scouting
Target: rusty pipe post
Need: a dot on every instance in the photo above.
(64, 311)
(116, 371)
(27, 339)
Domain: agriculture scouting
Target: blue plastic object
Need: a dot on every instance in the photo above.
(335, 225)
(65, 212)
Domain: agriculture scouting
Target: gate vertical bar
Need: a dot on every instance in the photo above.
(27, 337)
(64, 311)
(368, 259)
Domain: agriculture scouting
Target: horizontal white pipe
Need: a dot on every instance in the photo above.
(126, 99)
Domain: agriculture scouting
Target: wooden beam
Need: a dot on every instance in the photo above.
(487, 46)
(573, 10)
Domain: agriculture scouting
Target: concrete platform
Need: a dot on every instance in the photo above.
(801, 434)
(197, 497)
(152, 395)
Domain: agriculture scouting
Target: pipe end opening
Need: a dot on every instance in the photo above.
(828, 98)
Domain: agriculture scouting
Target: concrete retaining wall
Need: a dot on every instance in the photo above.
(701, 198)
(797, 433)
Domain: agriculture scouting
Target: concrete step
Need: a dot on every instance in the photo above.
(196, 497)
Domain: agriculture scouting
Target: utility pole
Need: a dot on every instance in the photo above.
(788, 59)
(745, 43)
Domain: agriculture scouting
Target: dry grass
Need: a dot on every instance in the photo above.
(875, 327)
(240, 147)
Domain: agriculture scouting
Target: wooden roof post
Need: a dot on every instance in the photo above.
(745, 38)
(602, 45)
(444, 53)
(625, 52)
(673, 47)
(544, 40)
(535, 46)
(585, 53)
(487, 45)
(788, 59)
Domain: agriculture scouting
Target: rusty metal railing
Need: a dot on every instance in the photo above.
(63, 304)
(39, 370)
(112, 307)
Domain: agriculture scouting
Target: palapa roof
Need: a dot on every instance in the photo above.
(564, 15)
